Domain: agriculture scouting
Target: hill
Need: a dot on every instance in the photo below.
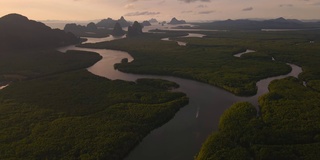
(153, 20)
(146, 23)
(176, 21)
(245, 24)
(91, 30)
(18, 32)
(110, 23)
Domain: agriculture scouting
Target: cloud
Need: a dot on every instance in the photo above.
(286, 5)
(247, 9)
(141, 13)
(190, 1)
(202, 6)
(206, 12)
(316, 4)
(186, 11)
(312, 3)
(129, 6)
(162, 2)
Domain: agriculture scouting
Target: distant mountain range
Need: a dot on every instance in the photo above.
(110, 23)
(80, 30)
(244, 24)
(153, 20)
(146, 23)
(18, 32)
(175, 21)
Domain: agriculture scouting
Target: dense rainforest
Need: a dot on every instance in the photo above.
(54, 108)
(287, 125)
(61, 116)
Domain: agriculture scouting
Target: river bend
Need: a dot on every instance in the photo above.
(181, 138)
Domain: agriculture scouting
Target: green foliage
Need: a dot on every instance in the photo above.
(56, 110)
(288, 152)
(257, 56)
(124, 60)
(237, 116)
(77, 115)
(219, 146)
(314, 84)
(235, 129)
(289, 127)
(38, 63)
(293, 114)
(159, 83)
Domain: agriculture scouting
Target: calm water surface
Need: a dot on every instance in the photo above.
(184, 43)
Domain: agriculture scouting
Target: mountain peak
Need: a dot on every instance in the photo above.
(153, 20)
(174, 20)
(280, 19)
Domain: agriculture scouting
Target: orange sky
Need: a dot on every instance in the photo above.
(190, 10)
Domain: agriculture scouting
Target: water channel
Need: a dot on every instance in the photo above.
(4, 86)
(182, 137)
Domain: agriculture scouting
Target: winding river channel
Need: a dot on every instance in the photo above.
(182, 137)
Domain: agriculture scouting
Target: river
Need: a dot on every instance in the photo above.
(184, 43)
(181, 138)
(4, 86)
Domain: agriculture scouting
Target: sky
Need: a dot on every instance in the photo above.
(189, 10)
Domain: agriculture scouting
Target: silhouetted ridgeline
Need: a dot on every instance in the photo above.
(175, 21)
(91, 30)
(18, 32)
(146, 23)
(110, 23)
(245, 24)
(100, 29)
(135, 29)
(153, 20)
(117, 30)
